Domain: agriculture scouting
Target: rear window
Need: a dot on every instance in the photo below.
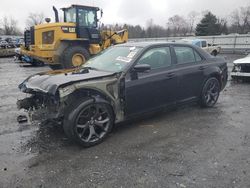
(184, 54)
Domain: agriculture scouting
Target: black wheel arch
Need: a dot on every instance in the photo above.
(95, 95)
(213, 72)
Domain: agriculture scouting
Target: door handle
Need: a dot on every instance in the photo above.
(170, 75)
(202, 67)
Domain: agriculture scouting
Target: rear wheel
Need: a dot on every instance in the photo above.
(210, 92)
(74, 57)
(88, 122)
(214, 53)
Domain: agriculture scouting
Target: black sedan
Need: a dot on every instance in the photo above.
(122, 82)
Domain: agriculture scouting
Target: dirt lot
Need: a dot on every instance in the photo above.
(188, 147)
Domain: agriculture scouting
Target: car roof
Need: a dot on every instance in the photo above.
(152, 43)
(157, 43)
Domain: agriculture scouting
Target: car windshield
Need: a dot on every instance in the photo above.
(113, 59)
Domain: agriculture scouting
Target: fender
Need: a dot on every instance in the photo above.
(93, 96)
(213, 72)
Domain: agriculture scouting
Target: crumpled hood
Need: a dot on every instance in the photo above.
(49, 82)
(245, 60)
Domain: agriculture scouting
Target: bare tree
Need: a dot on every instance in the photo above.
(241, 20)
(236, 21)
(245, 17)
(9, 26)
(222, 23)
(149, 28)
(1, 31)
(178, 25)
(192, 19)
(34, 19)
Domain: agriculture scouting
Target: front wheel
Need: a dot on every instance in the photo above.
(88, 122)
(210, 92)
(74, 56)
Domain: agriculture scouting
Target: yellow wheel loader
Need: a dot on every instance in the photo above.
(70, 43)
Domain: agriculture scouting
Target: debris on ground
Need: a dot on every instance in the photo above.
(22, 119)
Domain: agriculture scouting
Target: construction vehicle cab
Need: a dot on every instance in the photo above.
(70, 43)
(86, 21)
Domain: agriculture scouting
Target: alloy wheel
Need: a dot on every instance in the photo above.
(93, 123)
(212, 92)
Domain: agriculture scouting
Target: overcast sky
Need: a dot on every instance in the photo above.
(122, 11)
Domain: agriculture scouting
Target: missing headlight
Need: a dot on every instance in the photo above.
(237, 68)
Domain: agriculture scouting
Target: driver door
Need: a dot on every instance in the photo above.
(154, 89)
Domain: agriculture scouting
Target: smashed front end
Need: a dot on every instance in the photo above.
(40, 105)
(49, 94)
(241, 70)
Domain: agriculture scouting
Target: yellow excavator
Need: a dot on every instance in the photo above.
(70, 43)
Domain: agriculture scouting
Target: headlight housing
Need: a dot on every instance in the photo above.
(237, 68)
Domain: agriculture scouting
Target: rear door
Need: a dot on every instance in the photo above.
(190, 71)
(153, 89)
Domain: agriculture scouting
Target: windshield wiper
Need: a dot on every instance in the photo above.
(83, 70)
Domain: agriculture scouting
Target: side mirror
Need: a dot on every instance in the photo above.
(142, 68)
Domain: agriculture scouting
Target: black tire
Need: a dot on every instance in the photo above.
(88, 122)
(68, 54)
(214, 53)
(55, 66)
(210, 92)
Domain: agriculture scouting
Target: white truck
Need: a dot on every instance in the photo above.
(213, 49)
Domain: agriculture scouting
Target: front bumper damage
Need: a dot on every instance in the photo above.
(41, 107)
(241, 70)
(51, 93)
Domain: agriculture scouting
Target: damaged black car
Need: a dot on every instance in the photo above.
(123, 82)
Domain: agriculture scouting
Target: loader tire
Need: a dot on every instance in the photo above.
(74, 57)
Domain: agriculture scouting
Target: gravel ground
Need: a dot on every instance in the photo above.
(188, 147)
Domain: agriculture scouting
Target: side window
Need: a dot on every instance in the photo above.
(197, 56)
(203, 44)
(156, 58)
(184, 55)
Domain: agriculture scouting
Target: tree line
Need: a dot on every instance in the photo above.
(199, 24)
(194, 24)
